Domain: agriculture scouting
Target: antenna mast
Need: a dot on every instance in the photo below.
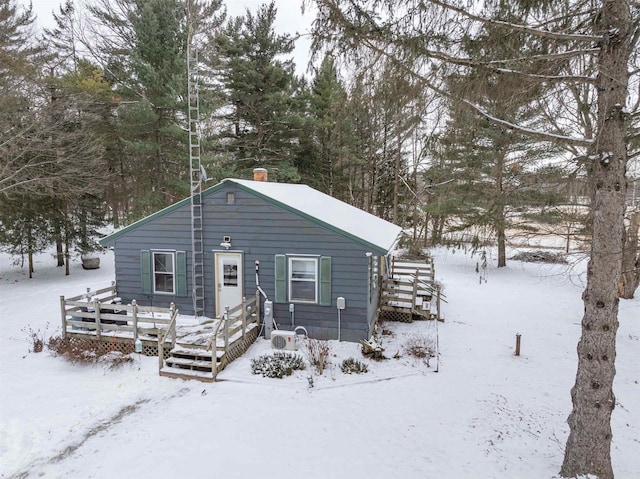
(195, 167)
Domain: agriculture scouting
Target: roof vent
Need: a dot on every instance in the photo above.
(260, 174)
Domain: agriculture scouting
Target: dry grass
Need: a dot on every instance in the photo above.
(87, 352)
(318, 352)
(421, 347)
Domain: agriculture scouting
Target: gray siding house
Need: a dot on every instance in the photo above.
(303, 249)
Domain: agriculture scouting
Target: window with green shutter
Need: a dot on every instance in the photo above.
(303, 279)
(163, 272)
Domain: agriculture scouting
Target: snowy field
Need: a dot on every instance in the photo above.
(484, 414)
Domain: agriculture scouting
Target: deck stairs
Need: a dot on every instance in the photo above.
(410, 292)
(200, 352)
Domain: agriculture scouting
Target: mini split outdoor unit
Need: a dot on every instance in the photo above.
(284, 340)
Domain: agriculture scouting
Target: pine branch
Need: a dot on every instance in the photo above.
(555, 138)
(518, 28)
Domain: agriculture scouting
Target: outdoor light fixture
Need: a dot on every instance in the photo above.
(226, 242)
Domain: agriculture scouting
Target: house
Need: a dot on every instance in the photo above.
(300, 248)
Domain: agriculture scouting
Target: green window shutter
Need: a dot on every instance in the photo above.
(145, 271)
(281, 278)
(181, 273)
(325, 281)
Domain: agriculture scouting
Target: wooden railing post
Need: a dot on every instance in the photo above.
(415, 291)
(63, 312)
(172, 311)
(134, 313)
(96, 305)
(244, 316)
(225, 318)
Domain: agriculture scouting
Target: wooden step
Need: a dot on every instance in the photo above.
(184, 363)
(186, 374)
(192, 353)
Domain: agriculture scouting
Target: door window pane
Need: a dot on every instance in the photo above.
(230, 273)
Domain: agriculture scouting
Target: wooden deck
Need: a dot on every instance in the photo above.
(184, 350)
(410, 292)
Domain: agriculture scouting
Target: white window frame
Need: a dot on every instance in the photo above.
(290, 279)
(172, 255)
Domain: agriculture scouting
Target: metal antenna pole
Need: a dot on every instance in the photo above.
(196, 174)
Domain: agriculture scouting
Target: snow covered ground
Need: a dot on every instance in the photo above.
(485, 414)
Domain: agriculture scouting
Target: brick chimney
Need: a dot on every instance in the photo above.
(260, 174)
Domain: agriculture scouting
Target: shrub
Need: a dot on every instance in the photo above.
(278, 365)
(421, 347)
(318, 352)
(86, 352)
(353, 366)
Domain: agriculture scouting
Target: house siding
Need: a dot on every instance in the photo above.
(260, 230)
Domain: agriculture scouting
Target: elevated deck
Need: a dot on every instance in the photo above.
(411, 292)
(187, 349)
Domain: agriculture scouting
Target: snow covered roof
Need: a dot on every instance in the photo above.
(322, 209)
(328, 211)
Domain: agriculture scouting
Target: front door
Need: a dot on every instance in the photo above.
(228, 280)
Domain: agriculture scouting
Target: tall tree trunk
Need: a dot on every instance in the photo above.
(502, 240)
(58, 237)
(588, 449)
(67, 254)
(396, 174)
(630, 278)
(30, 252)
(500, 220)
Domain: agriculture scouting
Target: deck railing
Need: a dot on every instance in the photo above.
(232, 326)
(96, 313)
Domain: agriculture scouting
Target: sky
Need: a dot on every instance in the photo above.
(289, 20)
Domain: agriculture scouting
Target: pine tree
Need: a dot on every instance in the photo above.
(260, 126)
(332, 133)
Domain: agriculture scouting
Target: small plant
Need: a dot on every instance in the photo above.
(353, 366)
(318, 352)
(421, 347)
(36, 338)
(278, 365)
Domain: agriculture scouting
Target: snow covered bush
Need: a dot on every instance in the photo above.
(422, 347)
(318, 352)
(353, 366)
(278, 365)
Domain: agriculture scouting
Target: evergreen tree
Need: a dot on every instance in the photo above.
(332, 133)
(144, 55)
(260, 124)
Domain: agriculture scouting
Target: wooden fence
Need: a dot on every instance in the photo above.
(97, 313)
